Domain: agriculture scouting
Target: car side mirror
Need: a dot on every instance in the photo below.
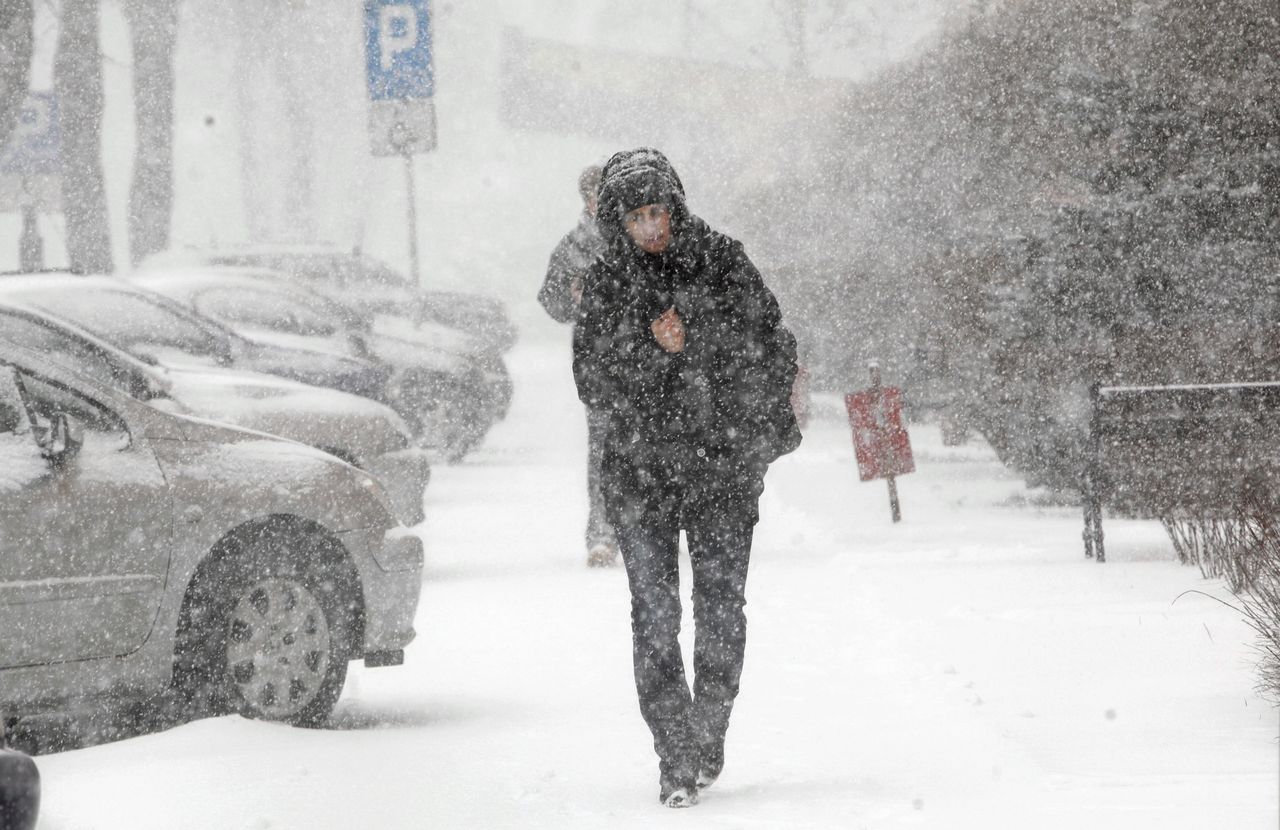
(139, 389)
(62, 441)
(10, 419)
(144, 388)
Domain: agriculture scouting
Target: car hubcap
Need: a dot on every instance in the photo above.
(278, 644)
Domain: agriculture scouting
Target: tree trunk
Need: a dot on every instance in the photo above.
(153, 28)
(249, 45)
(299, 204)
(77, 73)
(794, 18)
(16, 34)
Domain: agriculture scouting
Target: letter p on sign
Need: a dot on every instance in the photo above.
(397, 49)
(397, 32)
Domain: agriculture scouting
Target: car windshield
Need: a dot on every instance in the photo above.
(76, 353)
(132, 321)
(276, 310)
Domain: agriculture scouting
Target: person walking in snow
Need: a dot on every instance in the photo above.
(560, 295)
(681, 343)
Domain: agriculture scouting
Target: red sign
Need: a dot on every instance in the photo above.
(880, 442)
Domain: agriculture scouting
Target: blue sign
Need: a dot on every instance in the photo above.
(34, 147)
(397, 37)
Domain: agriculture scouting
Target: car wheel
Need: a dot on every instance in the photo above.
(270, 635)
(284, 659)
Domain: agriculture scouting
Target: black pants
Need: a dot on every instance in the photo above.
(599, 531)
(685, 725)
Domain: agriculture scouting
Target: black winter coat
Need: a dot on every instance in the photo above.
(569, 261)
(693, 431)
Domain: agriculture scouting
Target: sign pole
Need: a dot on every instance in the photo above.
(401, 85)
(414, 269)
(30, 245)
(894, 509)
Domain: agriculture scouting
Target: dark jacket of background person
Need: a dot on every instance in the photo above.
(692, 430)
(570, 262)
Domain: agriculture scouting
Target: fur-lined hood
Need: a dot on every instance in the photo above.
(633, 178)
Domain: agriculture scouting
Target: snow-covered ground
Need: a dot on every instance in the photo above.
(966, 668)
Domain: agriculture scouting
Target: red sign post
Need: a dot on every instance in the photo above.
(880, 442)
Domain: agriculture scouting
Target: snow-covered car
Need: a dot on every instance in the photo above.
(367, 284)
(357, 430)
(382, 296)
(435, 380)
(151, 326)
(145, 553)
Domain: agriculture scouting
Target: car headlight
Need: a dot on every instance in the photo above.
(380, 495)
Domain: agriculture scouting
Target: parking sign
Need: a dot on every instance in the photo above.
(399, 76)
(31, 160)
(34, 146)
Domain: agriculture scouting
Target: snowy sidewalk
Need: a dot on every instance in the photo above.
(967, 668)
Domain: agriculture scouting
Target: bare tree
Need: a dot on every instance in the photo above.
(793, 15)
(16, 34)
(290, 68)
(78, 83)
(153, 28)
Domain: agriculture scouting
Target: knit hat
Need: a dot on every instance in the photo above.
(632, 179)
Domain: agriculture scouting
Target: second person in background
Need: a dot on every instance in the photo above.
(560, 295)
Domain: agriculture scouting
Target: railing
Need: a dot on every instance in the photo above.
(1168, 452)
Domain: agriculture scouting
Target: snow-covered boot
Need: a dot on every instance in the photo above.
(710, 763)
(673, 795)
(602, 555)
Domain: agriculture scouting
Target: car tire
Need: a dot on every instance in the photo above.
(270, 634)
(19, 791)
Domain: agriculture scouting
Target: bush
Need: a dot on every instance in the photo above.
(1244, 550)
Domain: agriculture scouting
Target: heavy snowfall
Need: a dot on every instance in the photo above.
(1052, 225)
(964, 668)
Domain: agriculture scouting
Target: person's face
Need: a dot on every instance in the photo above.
(592, 204)
(649, 226)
